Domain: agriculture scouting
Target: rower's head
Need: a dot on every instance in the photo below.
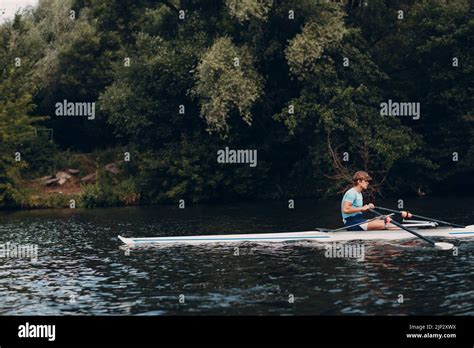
(361, 179)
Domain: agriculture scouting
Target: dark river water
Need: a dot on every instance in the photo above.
(81, 267)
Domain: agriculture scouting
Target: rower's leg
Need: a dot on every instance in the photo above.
(380, 225)
(376, 225)
(392, 227)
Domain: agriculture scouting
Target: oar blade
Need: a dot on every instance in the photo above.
(444, 246)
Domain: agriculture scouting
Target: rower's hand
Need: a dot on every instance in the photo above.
(368, 206)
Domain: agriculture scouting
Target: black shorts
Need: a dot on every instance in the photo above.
(357, 219)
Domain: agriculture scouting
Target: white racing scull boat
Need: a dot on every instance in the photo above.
(316, 236)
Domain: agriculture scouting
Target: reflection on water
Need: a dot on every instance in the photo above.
(83, 269)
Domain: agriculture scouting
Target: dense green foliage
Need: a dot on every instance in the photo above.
(17, 130)
(175, 81)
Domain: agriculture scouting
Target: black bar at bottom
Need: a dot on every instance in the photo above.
(347, 330)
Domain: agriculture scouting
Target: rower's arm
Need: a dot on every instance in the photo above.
(347, 208)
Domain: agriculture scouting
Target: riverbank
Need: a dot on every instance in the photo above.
(109, 178)
(73, 180)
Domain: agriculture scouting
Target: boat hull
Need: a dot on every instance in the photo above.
(315, 236)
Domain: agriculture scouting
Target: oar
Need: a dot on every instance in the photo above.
(438, 245)
(424, 217)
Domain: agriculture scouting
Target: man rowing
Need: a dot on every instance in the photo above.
(352, 207)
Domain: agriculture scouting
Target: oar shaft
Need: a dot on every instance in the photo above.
(439, 221)
(406, 229)
(424, 217)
